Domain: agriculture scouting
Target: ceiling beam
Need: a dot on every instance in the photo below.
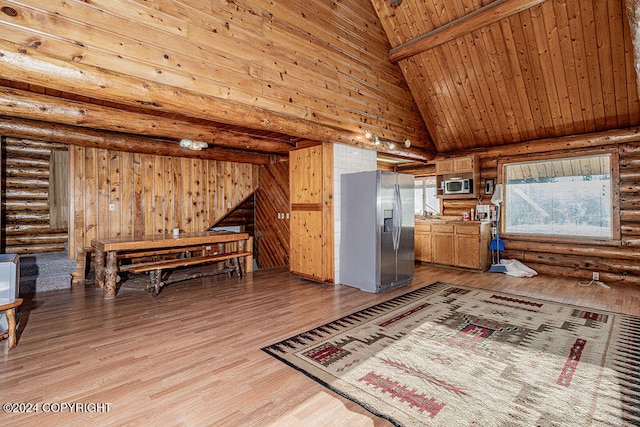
(475, 20)
(28, 65)
(29, 105)
(45, 131)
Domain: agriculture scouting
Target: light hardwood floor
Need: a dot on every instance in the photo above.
(192, 355)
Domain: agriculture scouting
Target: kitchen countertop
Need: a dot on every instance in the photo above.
(448, 220)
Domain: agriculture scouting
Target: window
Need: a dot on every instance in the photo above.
(426, 201)
(559, 197)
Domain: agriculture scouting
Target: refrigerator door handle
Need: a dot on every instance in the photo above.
(397, 219)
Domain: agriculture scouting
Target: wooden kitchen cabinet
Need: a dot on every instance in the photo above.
(311, 223)
(458, 167)
(455, 165)
(443, 251)
(422, 237)
(468, 246)
(463, 244)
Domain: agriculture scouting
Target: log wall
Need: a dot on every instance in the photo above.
(616, 261)
(116, 193)
(26, 198)
(304, 68)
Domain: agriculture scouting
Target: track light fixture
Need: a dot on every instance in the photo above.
(193, 145)
(390, 143)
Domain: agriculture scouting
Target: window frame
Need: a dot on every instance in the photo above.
(615, 238)
(421, 176)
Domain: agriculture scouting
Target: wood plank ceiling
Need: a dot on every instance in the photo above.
(263, 77)
(547, 69)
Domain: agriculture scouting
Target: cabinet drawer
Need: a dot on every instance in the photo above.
(422, 227)
(468, 229)
(442, 228)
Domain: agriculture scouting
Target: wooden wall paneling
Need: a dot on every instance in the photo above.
(137, 202)
(58, 189)
(127, 196)
(148, 207)
(176, 184)
(633, 88)
(272, 233)
(327, 213)
(311, 182)
(115, 196)
(165, 193)
(200, 179)
(618, 60)
(160, 186)
(211, 186)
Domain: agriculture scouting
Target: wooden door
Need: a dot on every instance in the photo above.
(443, 244)
(311, 242)
(422, 241)
(467, 247)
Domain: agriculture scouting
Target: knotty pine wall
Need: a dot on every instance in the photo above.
(617, 262)
(150, 194)
(272, 233)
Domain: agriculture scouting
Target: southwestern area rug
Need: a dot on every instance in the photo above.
(448, 355)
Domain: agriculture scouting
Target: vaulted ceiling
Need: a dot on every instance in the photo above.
(486, 73)
(260, 77)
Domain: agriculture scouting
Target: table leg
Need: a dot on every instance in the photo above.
(11, 322)
(111, 275)
(99, 268)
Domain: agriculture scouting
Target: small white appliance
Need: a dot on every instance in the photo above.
(458, 186)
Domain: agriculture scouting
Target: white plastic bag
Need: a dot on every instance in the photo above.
(517, 269)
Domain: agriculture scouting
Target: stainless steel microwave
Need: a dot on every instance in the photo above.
(458, 186)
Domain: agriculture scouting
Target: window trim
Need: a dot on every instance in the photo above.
(417, 177)
(615, 238)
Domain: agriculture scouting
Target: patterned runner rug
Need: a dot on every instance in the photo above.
(448, 355)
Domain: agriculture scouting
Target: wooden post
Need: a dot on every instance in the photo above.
(99, 267)
(248, 268)
(111, 273)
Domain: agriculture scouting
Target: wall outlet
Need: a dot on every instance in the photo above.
(112, 207)
(595, 275)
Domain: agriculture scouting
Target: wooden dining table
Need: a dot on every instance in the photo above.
(110, 248)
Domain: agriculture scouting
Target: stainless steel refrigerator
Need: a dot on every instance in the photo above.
(376, 230)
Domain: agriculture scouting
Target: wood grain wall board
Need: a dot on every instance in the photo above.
(272, 233)
(557, 68)
(161, 193)
(305, 166)
(59, 189)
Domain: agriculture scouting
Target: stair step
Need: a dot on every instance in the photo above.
(31, 284)
(45, 271)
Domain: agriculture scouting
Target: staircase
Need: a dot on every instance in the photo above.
(45, 272)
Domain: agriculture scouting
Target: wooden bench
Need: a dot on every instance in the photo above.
(9, 307)
(112, 254)
(155, 268)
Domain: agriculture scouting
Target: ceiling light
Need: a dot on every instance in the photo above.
(392, 145)
(368, 134)
(193, 145)
(407, 143)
